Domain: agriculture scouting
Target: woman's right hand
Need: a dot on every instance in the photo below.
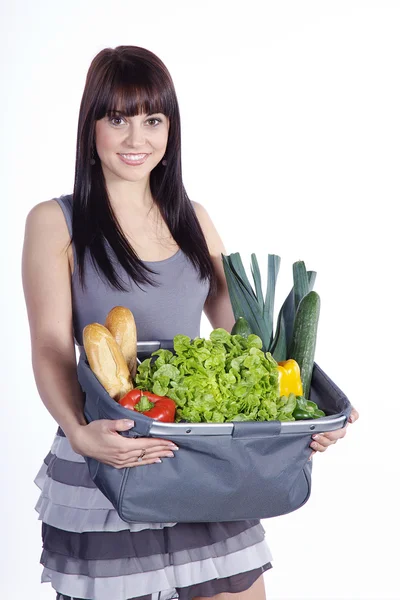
(100, 440)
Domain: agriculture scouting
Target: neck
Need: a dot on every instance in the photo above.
(130, 195)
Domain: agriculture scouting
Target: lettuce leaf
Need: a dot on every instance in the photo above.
(225, 378)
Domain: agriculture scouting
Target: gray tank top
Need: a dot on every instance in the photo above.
(175, 306)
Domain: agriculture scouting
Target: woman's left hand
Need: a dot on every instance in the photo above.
(321, 441)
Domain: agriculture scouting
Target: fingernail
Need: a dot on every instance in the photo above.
(314, 445)
(130, 423)
(158, 460)
(173, 446)
(315, 436)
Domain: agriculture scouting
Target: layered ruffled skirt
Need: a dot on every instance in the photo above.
(90, 553)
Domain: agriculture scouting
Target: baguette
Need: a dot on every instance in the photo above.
(106, 360)
(121, 324)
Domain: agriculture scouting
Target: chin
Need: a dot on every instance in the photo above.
(135, 174)
(133, 178)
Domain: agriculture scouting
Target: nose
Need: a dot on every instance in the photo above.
(135, 136)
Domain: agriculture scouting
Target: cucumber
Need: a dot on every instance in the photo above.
(302, 347)
(241, 327)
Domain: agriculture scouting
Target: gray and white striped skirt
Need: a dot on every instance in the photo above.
(89, 552)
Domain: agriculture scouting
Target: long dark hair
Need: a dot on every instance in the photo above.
(137, 81)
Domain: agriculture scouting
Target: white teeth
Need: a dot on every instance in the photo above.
(133, 156)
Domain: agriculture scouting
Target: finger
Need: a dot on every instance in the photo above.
(354, 415)
(322, 440)
(127, 445)
(119, 424)
(333, 436)
(162, 443)
(318, 446)
(312, 454)
(149, 455)
(133, 461)
(127, 453)
(150, 446)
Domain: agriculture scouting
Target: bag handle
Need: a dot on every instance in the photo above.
(242, 429)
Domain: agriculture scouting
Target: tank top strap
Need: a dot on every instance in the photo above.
(65, 203)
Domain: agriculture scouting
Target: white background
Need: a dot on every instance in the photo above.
(290, 139)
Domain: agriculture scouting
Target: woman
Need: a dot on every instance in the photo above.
(130, 236)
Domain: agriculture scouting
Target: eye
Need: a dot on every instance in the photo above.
(155, 119)
(111, 119)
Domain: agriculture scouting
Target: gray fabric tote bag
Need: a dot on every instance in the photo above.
(222, 472)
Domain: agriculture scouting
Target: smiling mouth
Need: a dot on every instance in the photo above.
(133, 159)
(133, 156)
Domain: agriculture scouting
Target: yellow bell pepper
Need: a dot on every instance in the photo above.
(289, 378)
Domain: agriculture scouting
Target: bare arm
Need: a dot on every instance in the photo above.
(218, 309)
(47, 288)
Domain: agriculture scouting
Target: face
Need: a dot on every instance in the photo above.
(130, 147)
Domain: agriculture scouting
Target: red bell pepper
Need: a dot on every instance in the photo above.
(156, 407)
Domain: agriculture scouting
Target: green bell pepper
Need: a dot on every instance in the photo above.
(306, 409)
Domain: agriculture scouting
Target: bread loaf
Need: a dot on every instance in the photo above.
(121, 324)
(106, 360)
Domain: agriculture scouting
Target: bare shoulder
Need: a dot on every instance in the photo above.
(48, 216)
(47, 219)
(46, 235)
(213, 239)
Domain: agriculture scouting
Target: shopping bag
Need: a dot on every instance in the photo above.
(222, 471)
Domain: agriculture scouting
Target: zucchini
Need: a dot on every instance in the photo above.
(241, 327)
(302, 348)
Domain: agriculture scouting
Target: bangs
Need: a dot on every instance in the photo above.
(132, 98)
